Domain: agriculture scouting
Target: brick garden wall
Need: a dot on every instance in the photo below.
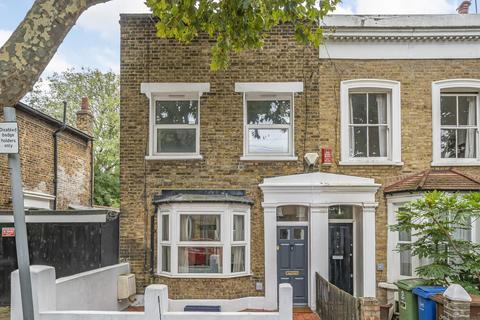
(145, 58)
(36, 154)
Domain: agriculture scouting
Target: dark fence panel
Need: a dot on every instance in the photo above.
(69, 247)
(334, 303)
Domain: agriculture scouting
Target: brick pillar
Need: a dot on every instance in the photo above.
(369, 309)
(456, 303)
(85, 117)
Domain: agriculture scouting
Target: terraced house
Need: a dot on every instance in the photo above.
(223, 197)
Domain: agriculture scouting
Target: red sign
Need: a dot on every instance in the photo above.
(327, 155)
(8, 232)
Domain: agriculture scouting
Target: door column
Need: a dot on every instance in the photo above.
(369, 258)
(270, 255)
(318, 248)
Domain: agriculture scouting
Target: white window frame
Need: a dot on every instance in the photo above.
(393, 255)
(171, 91)
(446, 85)
(226, 212)
(394, 149)
(256, 91)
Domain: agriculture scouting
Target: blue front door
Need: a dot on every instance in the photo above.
(292, 260)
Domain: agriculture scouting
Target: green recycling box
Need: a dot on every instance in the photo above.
(407, 301)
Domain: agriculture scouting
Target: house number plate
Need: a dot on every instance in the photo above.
(292, 273)
(337, 257)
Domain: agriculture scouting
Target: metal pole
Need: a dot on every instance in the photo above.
(20, 226)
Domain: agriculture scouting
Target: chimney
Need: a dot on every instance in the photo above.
(464, 6)
(85, 117)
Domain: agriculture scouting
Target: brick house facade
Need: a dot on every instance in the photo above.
(74, 168)
(391, 59)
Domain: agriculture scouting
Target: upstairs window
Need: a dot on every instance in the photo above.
(370, 122)
(455, 110)
(268, 119)
(174, 119)
(176, 125)
(458, 125)
(268, 128)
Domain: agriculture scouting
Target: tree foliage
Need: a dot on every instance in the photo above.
(103, 91)
(439, 223)
(238, 24)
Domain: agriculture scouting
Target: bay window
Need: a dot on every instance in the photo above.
(370, 117)
(204, 240)
(455, 105)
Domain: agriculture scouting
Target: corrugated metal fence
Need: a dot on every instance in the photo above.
(334, 303)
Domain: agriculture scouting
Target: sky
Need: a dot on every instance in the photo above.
(95, 40)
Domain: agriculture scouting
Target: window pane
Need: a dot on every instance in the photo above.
(377, 141)
(358, 105)
(268, 112)
(298, 234)
(292, 213)
(284, 234)
(238, 228)
(176, 112)
(405, 261)
(166, 259)
(165, 228)
(358, 142)
(467, 110)
(268, 141)
(176, 140)
(447, 144)
(466, 139)
(377, 108)
(200, 260)
(405, 235)
(448, 110)
(340, 212)
(199, 228)
(238, 259)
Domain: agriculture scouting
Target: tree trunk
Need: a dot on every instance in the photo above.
(32, 45)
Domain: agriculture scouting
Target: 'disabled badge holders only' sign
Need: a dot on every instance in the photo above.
(8, 137)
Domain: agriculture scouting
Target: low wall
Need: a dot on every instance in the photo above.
(49, 295)
(94, 290)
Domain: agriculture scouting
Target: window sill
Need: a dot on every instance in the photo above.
(202, 276)
(165, 157)
(268, 158)
(371, 163)
(455, 164)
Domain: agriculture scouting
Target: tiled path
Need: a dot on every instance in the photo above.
(305, 315)
(4, 313)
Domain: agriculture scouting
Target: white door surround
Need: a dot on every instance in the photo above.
(318, 191)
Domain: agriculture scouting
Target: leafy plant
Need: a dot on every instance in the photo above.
(440, 224)
(103, 91)
(238, 24)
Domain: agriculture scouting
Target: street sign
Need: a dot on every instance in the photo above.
(8, 232)
(8, 137)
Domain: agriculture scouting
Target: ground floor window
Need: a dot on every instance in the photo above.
(204, 240)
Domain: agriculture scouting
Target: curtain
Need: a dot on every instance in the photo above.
(238, 259)
(183, 265)
(470, 138)
(382, 118)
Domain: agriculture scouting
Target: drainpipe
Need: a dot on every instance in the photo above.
(55, 154)
(152, 240)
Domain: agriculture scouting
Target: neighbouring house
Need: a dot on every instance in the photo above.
(217, 198)
(64, 230)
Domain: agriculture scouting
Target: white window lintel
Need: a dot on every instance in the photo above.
(269, 87)
(150, 88)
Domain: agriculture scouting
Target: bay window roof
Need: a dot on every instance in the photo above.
(206, 196)
(441, 180)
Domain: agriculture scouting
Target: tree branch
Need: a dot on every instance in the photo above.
(33, 44)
